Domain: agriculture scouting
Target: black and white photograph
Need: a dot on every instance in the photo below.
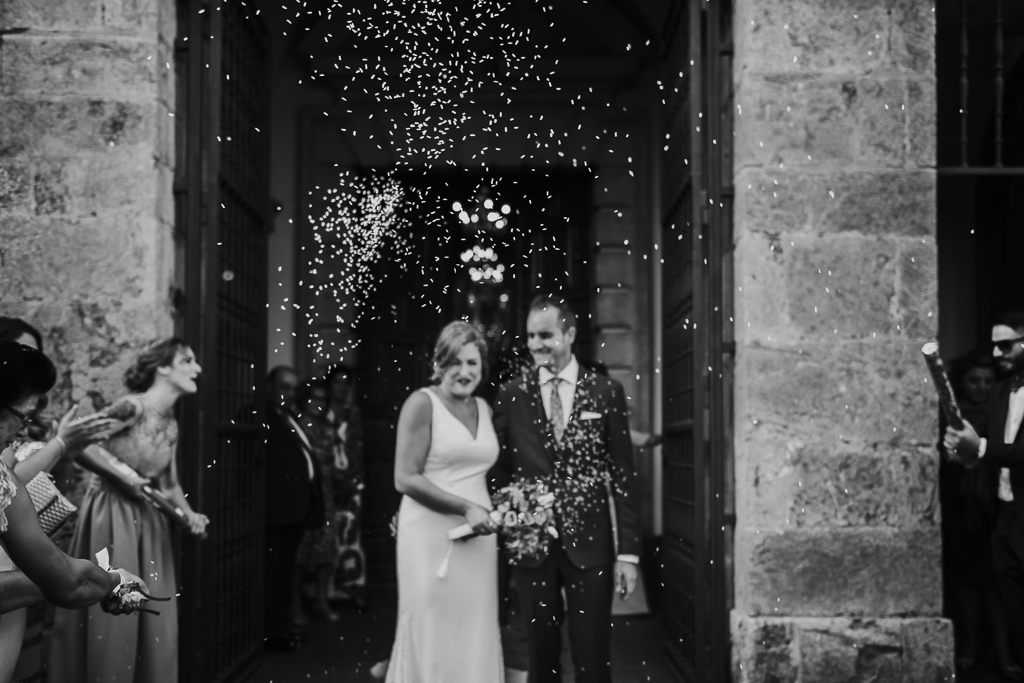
(511, 341)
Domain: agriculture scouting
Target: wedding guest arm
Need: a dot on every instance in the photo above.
(627, 509)
(17, 591)
(966, 447)
(73, 433)
(61, 580)
(412, 447)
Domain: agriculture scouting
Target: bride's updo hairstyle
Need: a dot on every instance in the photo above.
(158, 354)
(451, 340)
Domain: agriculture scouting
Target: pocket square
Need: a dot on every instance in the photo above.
(587, 415)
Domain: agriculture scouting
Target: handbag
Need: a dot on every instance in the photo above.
(52, 508)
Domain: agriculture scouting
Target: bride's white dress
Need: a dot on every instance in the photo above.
(448, 627)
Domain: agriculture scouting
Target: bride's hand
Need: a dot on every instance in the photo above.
(479, 518)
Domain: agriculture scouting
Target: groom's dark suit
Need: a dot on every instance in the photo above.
(581, 559)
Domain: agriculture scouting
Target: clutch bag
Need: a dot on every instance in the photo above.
(52, 508)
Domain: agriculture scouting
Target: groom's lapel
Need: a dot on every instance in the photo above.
(580, 399)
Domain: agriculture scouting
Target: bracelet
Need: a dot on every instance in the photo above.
(62, 444)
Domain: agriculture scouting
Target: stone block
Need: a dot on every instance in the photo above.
(70, 126)
(613, 267)
(786, 482)
(92, 343)
(613, 186)
(842, 287)
(95, 184)
(164, 70)
(869, 202)
(804, 35)
(889, 650)
(88, 258)
(794, 120)
(614, 307)
(838, 572)
(918, 295)
(922, 122)
(615, 348)
(871, 394)
(912, 36)
(612, 226)
(164, 186)
(114, 68)
(881, 122)
(15, 187)
(140, 16)
(76, 15)
(166, 129)
(761, 308)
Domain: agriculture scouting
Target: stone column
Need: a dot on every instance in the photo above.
(837, 546)
(86, 170)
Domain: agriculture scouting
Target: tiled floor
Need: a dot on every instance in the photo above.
(345, 650)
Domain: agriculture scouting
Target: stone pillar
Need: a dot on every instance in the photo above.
(86, 170)
(837, 546)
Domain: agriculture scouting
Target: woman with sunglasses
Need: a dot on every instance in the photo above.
(39, 571)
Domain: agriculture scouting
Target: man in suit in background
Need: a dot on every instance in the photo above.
(1005, 450)
(293, 503)
(549, 417)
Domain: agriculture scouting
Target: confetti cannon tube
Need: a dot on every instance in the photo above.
(945, 390)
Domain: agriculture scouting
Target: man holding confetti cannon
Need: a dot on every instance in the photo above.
(567, 428)
(1006, 410)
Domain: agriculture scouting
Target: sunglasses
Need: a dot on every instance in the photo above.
(1006, 345)
(22, 417)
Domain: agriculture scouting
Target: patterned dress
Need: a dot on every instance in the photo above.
(90, 646)
(348, 472)
(319, 546)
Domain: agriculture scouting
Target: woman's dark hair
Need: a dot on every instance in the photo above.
(158, 354)
(451, 340)
(23, 371)
(13, 329)
(961, 365)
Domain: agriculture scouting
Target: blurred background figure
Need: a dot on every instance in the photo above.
(969, 503)
(318, 553)
(346, 420)
(293, 505)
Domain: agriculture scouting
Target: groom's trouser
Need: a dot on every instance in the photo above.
(588, 598)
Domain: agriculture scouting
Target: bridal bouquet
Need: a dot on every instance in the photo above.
(524, 512)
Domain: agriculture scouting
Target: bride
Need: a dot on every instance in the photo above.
(447, 590)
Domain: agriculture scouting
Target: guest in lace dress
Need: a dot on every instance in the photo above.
(319, 549)
(88, 645)
(36, 569)
(349, 475)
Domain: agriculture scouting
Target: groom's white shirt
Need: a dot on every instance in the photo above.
(567, 393)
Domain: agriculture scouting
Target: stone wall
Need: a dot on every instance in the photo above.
(837, 548)
(86, 169)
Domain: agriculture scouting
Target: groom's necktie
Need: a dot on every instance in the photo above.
(557, 421)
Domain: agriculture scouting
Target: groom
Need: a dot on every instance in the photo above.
(545, 420)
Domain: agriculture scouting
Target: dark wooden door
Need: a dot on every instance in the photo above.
(222, 182)
(698, 346)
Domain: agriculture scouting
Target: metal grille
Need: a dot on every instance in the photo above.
(223, 207)
(698, 348)
(977, 90)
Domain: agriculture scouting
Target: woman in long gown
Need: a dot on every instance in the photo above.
(89, 646)
(447, 591)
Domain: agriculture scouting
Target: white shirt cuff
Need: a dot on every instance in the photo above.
(982, 447)
(632, 559)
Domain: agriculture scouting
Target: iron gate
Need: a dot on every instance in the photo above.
(222, 189)
(698, 345)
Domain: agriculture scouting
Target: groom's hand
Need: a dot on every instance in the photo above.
(625, 578)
